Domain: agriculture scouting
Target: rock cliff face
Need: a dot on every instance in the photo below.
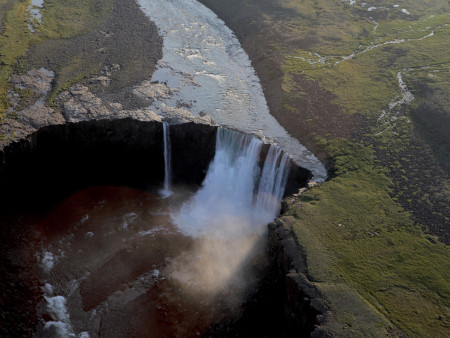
(303, 304)
(61, 158)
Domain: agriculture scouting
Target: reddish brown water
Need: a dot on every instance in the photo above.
(107, 261)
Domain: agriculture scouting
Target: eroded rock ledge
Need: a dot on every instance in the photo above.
(303, 304)
(80, 103)
(61, 158)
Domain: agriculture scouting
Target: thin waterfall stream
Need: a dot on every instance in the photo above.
(166, 192)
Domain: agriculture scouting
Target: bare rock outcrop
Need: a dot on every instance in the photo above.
(27, 120)
(80, 104)
(84, 101)
(40, 116)
(38, 80)
(152, 91)
(179, 116)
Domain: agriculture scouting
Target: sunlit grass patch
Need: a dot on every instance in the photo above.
(60, 19)
(66, 19)
(371, 243)
(14, 41)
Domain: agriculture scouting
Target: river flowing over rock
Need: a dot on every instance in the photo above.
(206, 71)
(239, 195)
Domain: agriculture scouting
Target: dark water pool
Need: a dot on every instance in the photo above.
(107, 261)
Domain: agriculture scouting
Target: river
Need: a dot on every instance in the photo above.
(207, 71)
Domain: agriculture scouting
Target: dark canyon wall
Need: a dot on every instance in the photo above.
(304, 308)
(38, 171)
(57, 160)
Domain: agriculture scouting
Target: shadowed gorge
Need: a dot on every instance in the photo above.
(120, 152)
(127, 249)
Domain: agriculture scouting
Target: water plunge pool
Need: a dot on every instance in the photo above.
(95, 246)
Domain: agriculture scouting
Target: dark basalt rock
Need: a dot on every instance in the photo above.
(193, 147)
(304, 307)
(56, 160)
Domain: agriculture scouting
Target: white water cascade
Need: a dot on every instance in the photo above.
(239, 194)
(166, 192)
(205, 68)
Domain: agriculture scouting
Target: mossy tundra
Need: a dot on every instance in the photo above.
(380, 224)
(60, 20)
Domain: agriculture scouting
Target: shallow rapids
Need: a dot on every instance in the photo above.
(208, 71)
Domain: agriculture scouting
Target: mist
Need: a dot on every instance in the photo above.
(228, 217)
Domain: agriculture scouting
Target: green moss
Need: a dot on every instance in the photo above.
(367, 82)
(352, 230)
(14, 41)
(24, 93)
(354, 227)
(66, 19)
(70, 73)
(26, 97)
(61, 19)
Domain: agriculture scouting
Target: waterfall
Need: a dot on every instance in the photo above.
(239, 195)
(272, 183)
(204, 64)
(166, 192)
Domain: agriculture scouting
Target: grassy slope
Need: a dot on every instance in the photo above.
(14, 40)
(352, 230)
(62, 19)
(355, 228)
(77, 39)
(377, 246)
